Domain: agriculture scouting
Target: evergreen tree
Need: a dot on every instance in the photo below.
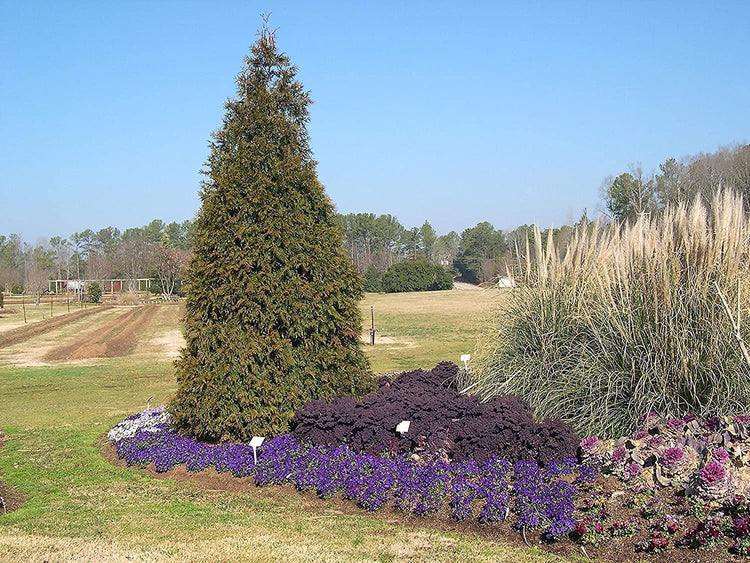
(372, 280)
(272, 319)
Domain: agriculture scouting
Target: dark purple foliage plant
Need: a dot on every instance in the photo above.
(443, 422)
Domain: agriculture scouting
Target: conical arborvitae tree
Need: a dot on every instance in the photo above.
(272, 319)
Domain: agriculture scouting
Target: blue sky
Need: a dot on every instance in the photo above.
(506, 112)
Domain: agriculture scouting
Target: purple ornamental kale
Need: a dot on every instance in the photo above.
(675, 424)
(673, 456)
(619, 455)
(712, 424)
(589, 444)
(712, 473)
(720, 455)
(633, 469)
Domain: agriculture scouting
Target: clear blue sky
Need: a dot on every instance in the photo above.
(506, 112)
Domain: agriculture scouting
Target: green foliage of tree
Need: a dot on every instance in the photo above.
(94, 291)
(416, 275)
(480, 245)
(372, 280)
(272, 319)
(429, 237)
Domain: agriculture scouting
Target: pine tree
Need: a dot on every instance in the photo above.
(272, 319)
(372, 280)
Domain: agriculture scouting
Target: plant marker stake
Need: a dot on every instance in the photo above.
(372, 326)
(465, 359)
(403, 427)
(23, 304)
(148, 402)
(255, 444)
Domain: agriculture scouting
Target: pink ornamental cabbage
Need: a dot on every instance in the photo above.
(720, 456)
(712, 473)
(655, 442)
(619, 455)
(589, 444)
(633, 469)
(675, 424)
(673, 456)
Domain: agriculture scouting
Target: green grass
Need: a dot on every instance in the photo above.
(80, 506)
(419, 329)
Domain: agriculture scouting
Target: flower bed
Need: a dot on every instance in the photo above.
(495, 490)
(444, 423)
(599, 502)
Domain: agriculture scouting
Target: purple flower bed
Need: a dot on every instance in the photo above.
(521, 493)
(609, 492)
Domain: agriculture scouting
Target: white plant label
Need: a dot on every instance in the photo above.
(255, 444)
(403, 427)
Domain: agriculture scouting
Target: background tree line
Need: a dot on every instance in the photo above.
(374, 243)
(158, 251)
(702, 175)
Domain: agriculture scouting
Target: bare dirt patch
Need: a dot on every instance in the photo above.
(390, 341)
(164, 339)
(116, 338)
(16, 335)
(169, 343)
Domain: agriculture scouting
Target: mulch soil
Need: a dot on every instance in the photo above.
(116, 338)
(17, 335)
(614, 550)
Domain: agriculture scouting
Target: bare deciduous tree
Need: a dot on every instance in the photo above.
(170, 265)
(37, 281)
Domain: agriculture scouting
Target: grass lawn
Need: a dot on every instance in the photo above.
(420, 329)
(80, 506)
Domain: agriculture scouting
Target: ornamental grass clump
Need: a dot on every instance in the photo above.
(628, 318)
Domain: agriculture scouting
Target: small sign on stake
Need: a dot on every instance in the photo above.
(465, 359)
(255, 444)
(403, 427)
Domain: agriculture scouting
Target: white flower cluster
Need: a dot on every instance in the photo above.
(147, 421)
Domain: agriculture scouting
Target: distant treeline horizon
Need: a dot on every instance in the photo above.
(479, 253)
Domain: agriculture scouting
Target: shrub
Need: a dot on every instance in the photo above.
(272, 319)
(628, 319)
(443, 422)
(94, 291)
(416, 275)
(372, 280)
(127, 298)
